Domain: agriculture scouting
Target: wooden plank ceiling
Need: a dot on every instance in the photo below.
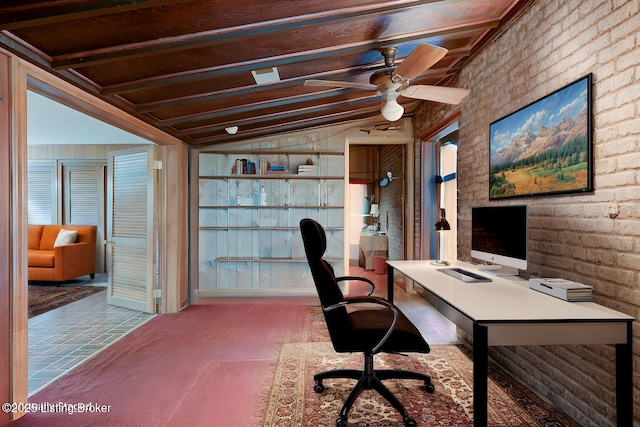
(186, 66)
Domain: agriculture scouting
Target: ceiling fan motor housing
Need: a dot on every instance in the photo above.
(389, 54)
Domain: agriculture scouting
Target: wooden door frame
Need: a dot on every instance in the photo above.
(5, 236)
(16, 75)
(408, 143)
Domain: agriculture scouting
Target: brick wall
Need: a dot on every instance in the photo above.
(591, 238)
(418, 252)
(391, 199)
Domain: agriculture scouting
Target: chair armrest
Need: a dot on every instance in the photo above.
(371, 300)
(360, 279)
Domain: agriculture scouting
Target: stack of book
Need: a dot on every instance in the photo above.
(264, 167)
(243, 167)
(308, 170)
(563, 289)
(277, 169)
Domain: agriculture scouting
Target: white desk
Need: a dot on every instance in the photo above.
(506, 312)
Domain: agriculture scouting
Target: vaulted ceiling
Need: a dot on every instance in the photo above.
(185, 66)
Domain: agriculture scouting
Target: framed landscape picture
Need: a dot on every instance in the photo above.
(544, 148)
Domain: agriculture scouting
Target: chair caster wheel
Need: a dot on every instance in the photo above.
(410, 422)
(318, 387)
(429, 388)
(341, 422)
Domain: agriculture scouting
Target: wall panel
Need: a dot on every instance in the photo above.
(590, 238)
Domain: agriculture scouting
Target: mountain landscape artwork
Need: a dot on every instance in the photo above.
(545, 147)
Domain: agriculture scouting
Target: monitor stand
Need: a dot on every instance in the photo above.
(499, 270)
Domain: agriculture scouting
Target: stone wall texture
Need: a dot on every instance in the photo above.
(593, 238)
(392, 204)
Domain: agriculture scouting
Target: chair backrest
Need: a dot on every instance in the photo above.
(315, 244)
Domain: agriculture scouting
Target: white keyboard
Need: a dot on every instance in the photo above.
(464, 275)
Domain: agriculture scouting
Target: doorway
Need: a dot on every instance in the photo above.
(377, 197)
(67, 181)
(16, 76)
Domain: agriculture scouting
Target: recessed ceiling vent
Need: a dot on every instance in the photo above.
(266, 75)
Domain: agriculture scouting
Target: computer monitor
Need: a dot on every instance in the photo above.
(499, 235)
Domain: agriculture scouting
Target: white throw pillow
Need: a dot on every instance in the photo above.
(65, 237)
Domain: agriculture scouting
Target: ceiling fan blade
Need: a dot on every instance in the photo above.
(423, 57)
(448, 95)
(334, 83)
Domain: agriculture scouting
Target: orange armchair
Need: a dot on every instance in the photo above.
(49, 263)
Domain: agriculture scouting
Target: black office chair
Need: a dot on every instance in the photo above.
(366, 330)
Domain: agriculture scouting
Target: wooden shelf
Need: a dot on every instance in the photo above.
(276, 152)
(259, 234)
(271, 207)
(296, 260)
(271, 176)
(256, 227)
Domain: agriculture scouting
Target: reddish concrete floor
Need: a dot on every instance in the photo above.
(232, 351)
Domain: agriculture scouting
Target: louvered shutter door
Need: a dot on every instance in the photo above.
(84, 202)
(82, 196)
(130, 229)
(42, 194)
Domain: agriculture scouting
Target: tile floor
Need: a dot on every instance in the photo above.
(61, 339)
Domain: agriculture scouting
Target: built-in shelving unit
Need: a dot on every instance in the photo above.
(250, 204)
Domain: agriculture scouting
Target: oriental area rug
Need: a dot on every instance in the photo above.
(44, 298)
(292, 402)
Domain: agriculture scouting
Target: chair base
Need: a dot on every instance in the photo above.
(369, 379)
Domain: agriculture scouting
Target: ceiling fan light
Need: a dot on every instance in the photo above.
(391, 110)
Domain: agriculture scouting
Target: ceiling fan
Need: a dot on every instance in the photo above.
(393, 83)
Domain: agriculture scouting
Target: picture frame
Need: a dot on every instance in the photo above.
(546, 147)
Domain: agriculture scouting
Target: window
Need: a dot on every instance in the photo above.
(439, 190)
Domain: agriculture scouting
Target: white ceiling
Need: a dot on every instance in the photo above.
(51, 123)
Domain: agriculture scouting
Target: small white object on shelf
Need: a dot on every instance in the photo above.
(308, 169)
(263, 196)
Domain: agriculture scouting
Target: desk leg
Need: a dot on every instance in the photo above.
(480, 375)
(624, 380)
(389, 283)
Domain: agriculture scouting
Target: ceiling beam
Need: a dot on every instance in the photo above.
(337, 118)
(212, 37)
(226, 69)
(239, 92)
(255, 106)
(213, 95)
(51, 12)
(288, 59)
(288, 115)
